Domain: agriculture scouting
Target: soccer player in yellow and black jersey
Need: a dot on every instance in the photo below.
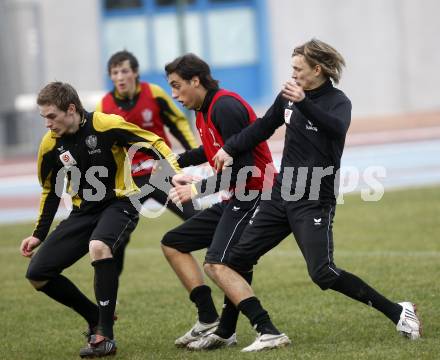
(90, 150)
(151, 108)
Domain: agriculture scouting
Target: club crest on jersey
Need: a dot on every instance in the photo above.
(92, 142)
(147, 117)
(67, 159)
(287, 115)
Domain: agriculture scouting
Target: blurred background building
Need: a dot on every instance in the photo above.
(390, 48)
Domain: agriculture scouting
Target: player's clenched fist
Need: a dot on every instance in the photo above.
(28, 245)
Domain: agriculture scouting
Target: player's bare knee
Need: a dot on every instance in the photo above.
(99, 250)
(166, 249)
(38, 284)
(34, 272)
(169, 252)
(213, 270)
(209, 270)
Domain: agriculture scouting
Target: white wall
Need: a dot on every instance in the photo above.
(71, 41)
(422, 53)
(390, 48)
(43, 41)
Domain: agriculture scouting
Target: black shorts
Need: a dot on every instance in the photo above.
(217, 228)
(69, 241)
(311, 224)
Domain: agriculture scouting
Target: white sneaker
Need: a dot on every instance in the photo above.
(211, 342)
(268, 341)
(409, 324)
(196, 332)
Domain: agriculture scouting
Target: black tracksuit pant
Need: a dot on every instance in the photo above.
(308, 220)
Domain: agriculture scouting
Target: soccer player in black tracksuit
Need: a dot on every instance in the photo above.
(90, 150)
(220, 114)
(317, 117)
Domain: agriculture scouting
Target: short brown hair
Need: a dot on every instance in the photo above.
(61, 95)
(190, 65)
(317, 52)
(119, 57)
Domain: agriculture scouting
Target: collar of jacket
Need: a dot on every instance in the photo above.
(207, 101)
(319, 91)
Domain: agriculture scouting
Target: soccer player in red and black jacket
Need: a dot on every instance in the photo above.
(151, 108)
(317, 116)
(220, 115)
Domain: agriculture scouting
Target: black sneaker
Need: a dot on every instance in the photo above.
(99, 346)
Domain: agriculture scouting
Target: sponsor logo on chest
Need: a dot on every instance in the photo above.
(287, 115)
(67, 159)
(288, 112)
(310, 126)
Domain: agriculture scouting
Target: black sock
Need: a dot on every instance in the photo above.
(229, 316)
(350, 285)
(65, 292)
(258, 317)
(228, 319)
(201, 296)
(119, 255)
(106, 291)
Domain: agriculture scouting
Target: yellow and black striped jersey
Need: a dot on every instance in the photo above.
(95, 163)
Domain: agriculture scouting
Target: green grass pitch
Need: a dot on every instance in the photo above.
(393, 244)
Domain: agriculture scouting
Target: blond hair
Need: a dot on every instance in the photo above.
(317, 52)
